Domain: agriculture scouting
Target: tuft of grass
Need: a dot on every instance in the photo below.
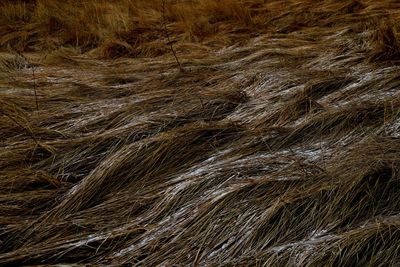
(11, 62)
(386, 46)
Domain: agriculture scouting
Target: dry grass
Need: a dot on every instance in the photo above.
(279, 145)
(119, 27)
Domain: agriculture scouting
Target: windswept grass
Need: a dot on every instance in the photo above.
(278, 145)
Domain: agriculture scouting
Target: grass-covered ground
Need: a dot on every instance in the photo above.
(202, 133)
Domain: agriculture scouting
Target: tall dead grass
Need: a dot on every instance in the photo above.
(116, 28)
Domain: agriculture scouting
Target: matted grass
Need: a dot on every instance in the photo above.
(278, 145)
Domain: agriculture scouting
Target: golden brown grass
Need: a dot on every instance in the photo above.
(278, 145)
(118, 27)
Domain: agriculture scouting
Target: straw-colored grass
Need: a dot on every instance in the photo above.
(277, 144)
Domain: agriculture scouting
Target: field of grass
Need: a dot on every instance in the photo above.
(200, 133)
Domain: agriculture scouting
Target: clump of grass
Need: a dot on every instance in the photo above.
(386, 45)
(115, 49)
(11, 62)
(61, 56)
